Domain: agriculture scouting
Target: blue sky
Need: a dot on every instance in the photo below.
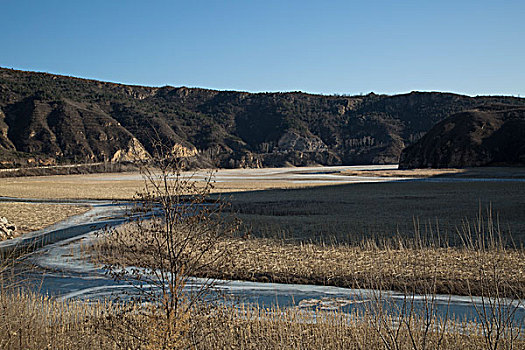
(345, 47)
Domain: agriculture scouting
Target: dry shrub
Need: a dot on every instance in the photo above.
(168, 332)
(175, 232)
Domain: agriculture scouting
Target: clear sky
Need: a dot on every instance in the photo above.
(346, 47)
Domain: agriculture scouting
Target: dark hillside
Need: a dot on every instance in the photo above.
(46, 119)
(490, 135)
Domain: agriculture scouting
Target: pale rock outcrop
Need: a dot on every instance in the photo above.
(135, 151)
(7, 229)
(181, 151)
(293, 141)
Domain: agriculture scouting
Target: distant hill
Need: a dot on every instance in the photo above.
(48, 119)
(489, 135)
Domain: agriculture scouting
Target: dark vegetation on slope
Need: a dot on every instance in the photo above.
(47, 119)
(492, 135)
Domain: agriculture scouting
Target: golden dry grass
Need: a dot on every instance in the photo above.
(29, 321)
(255, 328)
(396, 265)
(69, 187)
(33, 216)
(448, 270)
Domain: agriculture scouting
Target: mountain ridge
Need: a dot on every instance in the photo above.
(46, 118)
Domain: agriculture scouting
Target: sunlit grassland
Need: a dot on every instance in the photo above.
(121, 186)
(30, 217)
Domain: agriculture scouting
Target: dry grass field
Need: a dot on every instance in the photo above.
(120, 186)
(405, 269)
(33, 216)
(407, 236)
(29, 321)
(277, 206)
(400, 264)
(353, 212)
(69, 187)
(482, 266)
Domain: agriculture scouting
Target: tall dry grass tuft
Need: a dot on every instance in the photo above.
(274, 328)
(31, 321)
(496, 312)
(495, 295)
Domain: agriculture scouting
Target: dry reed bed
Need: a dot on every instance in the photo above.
(29, 321)
(34, 216)
(407, 268)
(448, 270)
(351, 213)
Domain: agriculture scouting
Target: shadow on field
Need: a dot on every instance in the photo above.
(353, 212)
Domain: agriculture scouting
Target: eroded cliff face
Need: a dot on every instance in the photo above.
(65, 131)
(180, 151)
(493, 135)
(293, 141)
(134, 152)
(5, 142)
(50, 118)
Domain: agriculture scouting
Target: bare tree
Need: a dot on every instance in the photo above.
(176, 232)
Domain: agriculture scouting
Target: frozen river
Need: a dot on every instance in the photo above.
(60, 270)
(309, 175)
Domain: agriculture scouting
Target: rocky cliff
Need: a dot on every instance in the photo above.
(490, 135)
(51, 119)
